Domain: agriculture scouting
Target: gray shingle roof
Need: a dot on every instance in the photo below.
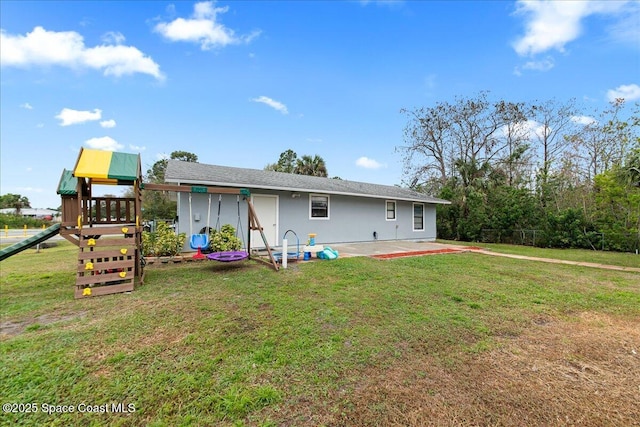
(224, 176)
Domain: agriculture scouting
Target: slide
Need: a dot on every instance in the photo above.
(31, 241)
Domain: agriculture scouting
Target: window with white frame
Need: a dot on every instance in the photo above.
(319, 206)
(418, 217)
(390, 210)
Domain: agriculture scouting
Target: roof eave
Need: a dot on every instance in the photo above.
(304, 190)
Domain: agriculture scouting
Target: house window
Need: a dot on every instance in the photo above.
(418, 217)
(319, 207)
(391, 210)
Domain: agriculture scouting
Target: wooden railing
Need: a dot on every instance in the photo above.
(98, 211)
(109, 210)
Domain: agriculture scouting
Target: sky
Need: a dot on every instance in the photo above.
(239, 82)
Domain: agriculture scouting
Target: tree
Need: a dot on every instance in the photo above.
(156, 173)
(286, 163)
(306, 165)
(602, 144)
(459, 146)
(15, 201)
(428, 146)
(158, 204)
(515, 159)
(550, 122)
(313, 166)
(459, 140)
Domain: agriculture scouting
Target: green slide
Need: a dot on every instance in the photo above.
(31, 241)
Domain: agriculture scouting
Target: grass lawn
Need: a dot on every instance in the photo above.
(582, 255)
(462, 339)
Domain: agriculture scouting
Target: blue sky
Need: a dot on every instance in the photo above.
(238, 82)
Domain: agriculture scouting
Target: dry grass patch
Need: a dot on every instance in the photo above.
(584, 370)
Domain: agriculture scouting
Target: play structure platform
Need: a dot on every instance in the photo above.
(107, 230)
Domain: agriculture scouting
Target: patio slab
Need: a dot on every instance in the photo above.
(389, 248)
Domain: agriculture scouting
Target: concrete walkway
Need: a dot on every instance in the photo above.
(405, 248)
(562, 261)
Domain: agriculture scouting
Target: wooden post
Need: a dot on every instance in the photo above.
(254, 224)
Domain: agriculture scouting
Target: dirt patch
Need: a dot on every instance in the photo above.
(9, 329)
(584, 371)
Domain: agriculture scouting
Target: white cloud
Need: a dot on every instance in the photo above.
(136, 148)
(528, 130)
(203, 28)
(552, 24)
(120, 60)
(628, 92)
(73, 117)
(583, 120)
(627, 28)
(40, 125)
(367, 163)
(542, 65)
(26, 106)
(104, 143)
(67, 49)
(113, 37)
(272, 103)
(108, 123)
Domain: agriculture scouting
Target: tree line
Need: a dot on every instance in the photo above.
(548, 166)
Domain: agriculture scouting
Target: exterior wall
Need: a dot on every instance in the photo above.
(351, 219)
(354, 219)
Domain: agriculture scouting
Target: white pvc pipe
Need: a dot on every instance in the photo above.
(284, 253)
(190, 218)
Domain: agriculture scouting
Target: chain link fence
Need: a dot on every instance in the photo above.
(622, 242)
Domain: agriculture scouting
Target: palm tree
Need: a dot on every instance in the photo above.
(313, 166)
(15, 201)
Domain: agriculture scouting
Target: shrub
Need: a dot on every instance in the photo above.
(162, 242)
(224, 240)
(19, 221)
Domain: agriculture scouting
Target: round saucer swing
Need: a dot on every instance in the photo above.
(229, 256)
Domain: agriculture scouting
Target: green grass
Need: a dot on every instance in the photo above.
(210, 344)
(581, 255)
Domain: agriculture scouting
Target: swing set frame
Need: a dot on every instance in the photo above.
(252, 220)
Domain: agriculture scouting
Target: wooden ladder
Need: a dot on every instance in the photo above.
(108, 261)
(254, 224)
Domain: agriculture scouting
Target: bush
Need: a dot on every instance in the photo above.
(224, 240)
(569, 229)
(162, 242)
(19, 221)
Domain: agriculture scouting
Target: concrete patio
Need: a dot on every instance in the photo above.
(390, 247)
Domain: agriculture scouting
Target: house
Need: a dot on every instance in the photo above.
(337, 211)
